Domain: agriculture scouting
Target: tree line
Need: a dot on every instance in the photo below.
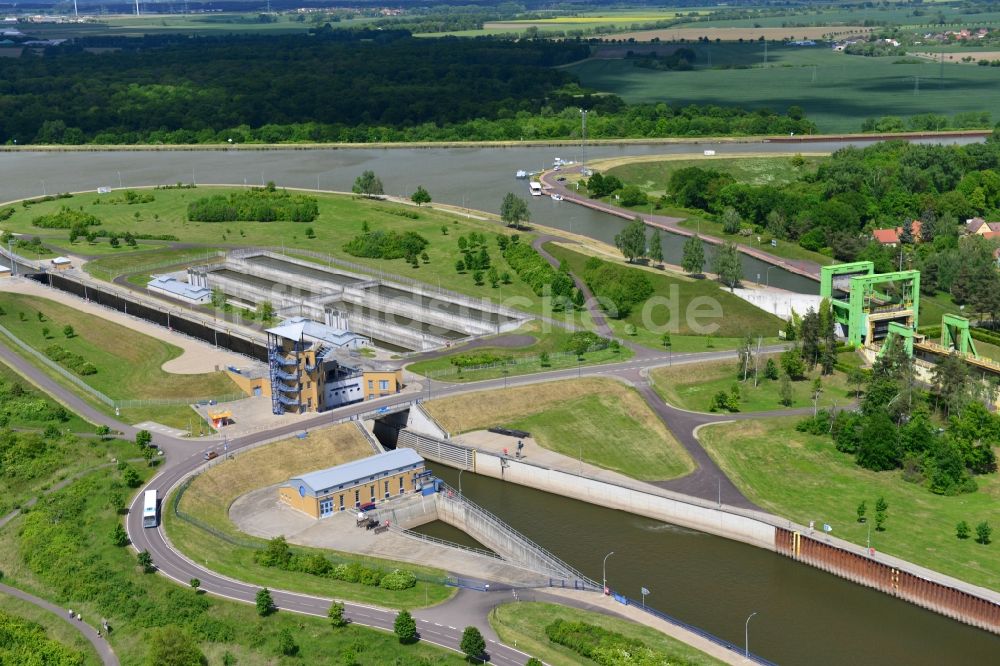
(386, 86)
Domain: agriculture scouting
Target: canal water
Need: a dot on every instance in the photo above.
(804, 616)
(474, 177)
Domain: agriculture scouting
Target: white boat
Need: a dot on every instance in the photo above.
(556, 196)
(557, 162)
(535, 188)
(521, 173)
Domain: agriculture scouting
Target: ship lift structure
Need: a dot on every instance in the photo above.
(878, 310)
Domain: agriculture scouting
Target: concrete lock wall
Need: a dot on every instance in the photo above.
(704, 519)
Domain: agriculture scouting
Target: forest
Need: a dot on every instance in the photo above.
(329, 86)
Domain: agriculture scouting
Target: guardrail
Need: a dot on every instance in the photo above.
(556, 565)
(444, 542)
(721, 642)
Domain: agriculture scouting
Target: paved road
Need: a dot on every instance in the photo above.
(104, 650)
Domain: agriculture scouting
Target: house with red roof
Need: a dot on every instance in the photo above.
(890, 237)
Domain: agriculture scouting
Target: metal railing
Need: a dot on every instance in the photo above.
(721, 642)
(444, 542)
(555, 564)
(93, 268)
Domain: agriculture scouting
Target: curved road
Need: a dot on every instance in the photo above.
(104, 650)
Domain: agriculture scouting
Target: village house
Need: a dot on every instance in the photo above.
(890, 237)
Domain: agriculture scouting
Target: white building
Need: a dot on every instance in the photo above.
(169, 286)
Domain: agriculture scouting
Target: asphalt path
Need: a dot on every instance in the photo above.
(100, 644)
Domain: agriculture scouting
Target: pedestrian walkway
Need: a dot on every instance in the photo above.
(100, 644)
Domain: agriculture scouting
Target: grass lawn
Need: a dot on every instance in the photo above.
(522, 360)
(653, 175)
(603, 421)
(210, 495)
(836, 91)
(128, 363)
(677, 386)
(108, 268)
(101, 580)
(55, 630)
(524, 623)
(679, 303)
(340, 219)
(803, 477)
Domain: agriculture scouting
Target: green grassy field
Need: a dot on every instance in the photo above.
(548, 339)
(128, 363)
(587, 424)
(108, 268)
(523, 623)
(785, 249)
(55, 630)
(653, 177)
(340, 219)
(680, 387)
(597, 419)
(803, 477)
(836, 91)
(738, 318)
(99, 579)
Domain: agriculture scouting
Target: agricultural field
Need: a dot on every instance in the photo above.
(127, 364)
(803, 477)
(600, 420)
(736, 34)
(864, 14)
(836, 91)
(738, 318)
(205, 532)
(163, 24)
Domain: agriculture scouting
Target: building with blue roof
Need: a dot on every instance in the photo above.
(182, 291)
(355, 484)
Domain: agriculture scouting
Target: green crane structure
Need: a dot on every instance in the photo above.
(867, 307)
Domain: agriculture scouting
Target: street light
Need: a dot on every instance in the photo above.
(460, 482)
(746, 636)
(604, 571)
(767, 276)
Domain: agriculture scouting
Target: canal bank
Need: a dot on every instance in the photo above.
(897, 579)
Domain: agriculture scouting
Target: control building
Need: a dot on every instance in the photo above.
(354, 484)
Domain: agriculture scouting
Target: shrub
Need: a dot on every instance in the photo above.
(257, 205)
(983, 533)
(370, 577)
(264, 602)
(398, 580)
(538, 273)
(386, 245)
(619, 289)
(66, 218)
(405, 627)
(962, 530)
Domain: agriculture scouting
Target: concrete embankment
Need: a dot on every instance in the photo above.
(928, 589)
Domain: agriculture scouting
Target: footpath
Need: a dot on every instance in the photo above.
(104, 650)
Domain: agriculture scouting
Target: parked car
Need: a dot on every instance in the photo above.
(210, 455)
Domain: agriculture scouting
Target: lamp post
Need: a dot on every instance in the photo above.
(746, 636)
(460, 482)
(767, 276)
(583, 141)
(120, 182)
(604, 571)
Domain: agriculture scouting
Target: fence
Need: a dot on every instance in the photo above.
(513, 361)
(110, 274)
(444, 542)
(551, 562)
(721, 642)
(110, 402)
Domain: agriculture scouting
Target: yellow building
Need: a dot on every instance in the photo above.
(355, 484)
(379, 383)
